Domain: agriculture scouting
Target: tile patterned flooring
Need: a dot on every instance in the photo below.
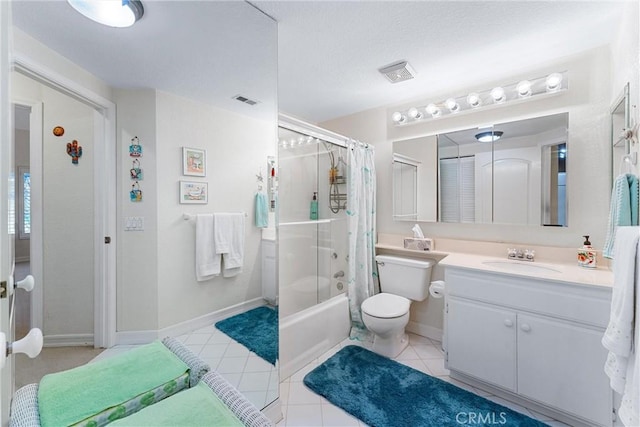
(258, 380)
(303, 408)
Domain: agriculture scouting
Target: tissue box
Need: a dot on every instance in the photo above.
(418, 244)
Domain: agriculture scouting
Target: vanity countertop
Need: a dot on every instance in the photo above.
(549, 271)
(557, 272)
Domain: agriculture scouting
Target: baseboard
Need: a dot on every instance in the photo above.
(144, 337)
(424, 330)
(273, 411)
(68, 340)
(22, 259)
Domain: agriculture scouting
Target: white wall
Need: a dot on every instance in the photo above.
(137, 262)
(587, 102)
(237, 149)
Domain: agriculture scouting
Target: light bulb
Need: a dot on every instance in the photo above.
(434, 110)
(398, 117)
(554, 82)
(524, 88)
(473, 99)
(414, 113)
(452, 105)
(497, 93)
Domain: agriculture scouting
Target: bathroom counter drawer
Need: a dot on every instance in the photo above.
(584, 304)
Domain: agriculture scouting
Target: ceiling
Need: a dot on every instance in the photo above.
(328, 52)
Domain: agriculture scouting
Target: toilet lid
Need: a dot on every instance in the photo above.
(386, 305)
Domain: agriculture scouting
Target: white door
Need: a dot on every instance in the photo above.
(6, 254)
(481, 342)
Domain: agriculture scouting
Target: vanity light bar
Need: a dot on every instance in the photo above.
(508, 94)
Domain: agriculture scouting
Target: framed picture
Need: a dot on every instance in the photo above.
(194, 162)
(192, 192)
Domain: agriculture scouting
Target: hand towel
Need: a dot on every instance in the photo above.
(623, 210)
(622, 363)
(261, 210)
(207, 259)
(228, 232)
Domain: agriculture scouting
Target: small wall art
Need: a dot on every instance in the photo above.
(136, 171)
(135, 149)
(135, 195)
(192, 192)
(194, 162)
(74, 150)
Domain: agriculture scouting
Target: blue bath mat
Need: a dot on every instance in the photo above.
(255, 329)
(385, 393)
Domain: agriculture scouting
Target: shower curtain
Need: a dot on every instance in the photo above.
(361, 212)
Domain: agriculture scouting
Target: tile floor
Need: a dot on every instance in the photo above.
(256, 378)
(303, 408)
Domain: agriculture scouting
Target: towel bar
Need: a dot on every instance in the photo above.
(191, 217)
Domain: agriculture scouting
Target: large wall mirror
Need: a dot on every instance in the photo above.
(507, 173)
(621, 147)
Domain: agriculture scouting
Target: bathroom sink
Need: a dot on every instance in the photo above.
(520, 267)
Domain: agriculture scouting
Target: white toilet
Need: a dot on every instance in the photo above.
(387, 313)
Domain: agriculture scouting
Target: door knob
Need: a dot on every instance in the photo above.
(31, 345)
(28, 283)
(525, 327)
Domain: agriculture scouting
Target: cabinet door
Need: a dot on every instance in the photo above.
(482, 342)
(561, 364)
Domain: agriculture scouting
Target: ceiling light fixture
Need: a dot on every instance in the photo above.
(113, 13)
(489, 136)
(523, 91)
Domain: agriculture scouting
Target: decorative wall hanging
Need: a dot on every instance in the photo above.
(194, 162)
(136, 172)
(135, 195)
(75, 151)
(58, 131)
(194, 192)
(135, 149)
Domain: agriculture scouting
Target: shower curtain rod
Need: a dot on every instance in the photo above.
(306, 128)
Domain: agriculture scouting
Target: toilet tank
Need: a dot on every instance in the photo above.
(406, 277)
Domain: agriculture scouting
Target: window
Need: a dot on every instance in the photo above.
(24, 203)
(12, 204)
(457, 189)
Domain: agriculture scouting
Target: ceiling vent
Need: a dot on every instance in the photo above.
(398, 72)
(245, 100)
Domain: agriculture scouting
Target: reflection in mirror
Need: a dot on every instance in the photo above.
(620, 117)
(507, 173)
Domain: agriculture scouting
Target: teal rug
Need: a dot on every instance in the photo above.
(256, 329)
(385, 393)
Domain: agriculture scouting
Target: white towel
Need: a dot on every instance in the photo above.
(207, 260)
(623, 364)
(228, 232)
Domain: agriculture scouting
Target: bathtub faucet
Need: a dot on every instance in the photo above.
(338, 274)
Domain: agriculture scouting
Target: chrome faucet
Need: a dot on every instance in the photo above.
(338, 274)
(521, 254)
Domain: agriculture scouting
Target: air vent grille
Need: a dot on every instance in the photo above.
(398, 72)
(245, 100)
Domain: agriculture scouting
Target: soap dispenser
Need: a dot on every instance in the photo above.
(313, 209)
(587, 255)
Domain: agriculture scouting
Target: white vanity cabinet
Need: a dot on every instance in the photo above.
(535, 339)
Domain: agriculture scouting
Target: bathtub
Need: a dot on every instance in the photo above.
(309, 333)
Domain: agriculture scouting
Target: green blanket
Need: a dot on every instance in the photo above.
(68, 397)
(196, 407)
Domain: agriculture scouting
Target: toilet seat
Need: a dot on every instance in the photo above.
(386, 306)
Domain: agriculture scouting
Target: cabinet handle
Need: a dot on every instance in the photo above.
(508, 323)
(525, 327)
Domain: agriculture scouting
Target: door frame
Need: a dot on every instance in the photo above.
(104, 195)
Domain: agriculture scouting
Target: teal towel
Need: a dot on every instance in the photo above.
(624, 209)
(262, 210)
(68, 397)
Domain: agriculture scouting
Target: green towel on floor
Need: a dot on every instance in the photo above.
(198, 406)
(68, 397)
